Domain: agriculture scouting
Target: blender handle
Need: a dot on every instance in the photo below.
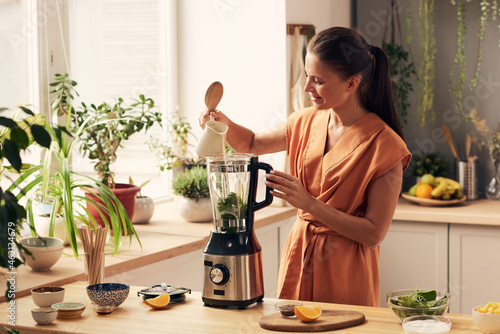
(269, 198)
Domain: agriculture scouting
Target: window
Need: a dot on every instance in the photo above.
(118, 48)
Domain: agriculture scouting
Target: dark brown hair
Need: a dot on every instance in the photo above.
(345, 52)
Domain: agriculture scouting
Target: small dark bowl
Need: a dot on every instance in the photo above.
(105, 294)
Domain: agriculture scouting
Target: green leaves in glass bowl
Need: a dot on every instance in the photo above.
(406, 303)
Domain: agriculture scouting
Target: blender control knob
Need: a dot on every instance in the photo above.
(219, 274)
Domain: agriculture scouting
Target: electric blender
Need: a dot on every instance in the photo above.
(232, 258)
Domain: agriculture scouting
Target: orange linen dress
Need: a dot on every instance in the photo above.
(319, 264)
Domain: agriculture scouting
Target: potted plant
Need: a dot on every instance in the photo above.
(194, 196)
(144, 206)
(426, 163)
(174, 153)
(53, 182)
(15, 136)
(101, 130)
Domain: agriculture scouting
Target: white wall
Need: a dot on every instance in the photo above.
(321, 13)
(244, 45)
(241, 44)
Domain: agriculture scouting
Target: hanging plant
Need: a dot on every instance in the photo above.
(457, 81)
(484, 7)
(427, 55)
(401, 67)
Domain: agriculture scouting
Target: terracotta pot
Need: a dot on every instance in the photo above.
(144, 209)
(125, 193)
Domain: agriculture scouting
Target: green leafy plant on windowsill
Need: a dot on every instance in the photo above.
(102, 129)
(192, 183)
(175, 151)
(15, 137)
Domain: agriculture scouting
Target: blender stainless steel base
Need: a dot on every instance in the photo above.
(233, 280)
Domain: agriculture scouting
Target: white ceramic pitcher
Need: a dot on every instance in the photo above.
(213, 139)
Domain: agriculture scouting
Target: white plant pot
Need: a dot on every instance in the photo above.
(144, 209)
(195, 211)
(42, 226)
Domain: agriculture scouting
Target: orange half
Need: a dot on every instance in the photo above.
(159, 302)
(307, 313)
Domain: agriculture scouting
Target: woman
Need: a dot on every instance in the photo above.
(347, 157)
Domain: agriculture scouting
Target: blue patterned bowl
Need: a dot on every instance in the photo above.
(104, 294)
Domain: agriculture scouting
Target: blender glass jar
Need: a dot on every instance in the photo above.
(229, 180)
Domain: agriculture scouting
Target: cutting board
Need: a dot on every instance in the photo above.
(329, 320)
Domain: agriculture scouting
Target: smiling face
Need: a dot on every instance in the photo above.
(326, 88)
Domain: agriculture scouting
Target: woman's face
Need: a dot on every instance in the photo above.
(327, 89)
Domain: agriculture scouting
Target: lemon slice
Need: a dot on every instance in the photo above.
(159, 302)
(307, 313)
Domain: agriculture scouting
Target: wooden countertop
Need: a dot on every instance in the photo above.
(190, 316)
(478, 212)
(167, 235)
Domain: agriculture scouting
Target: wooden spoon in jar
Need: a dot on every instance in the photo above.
(449, 140)
(213, 95)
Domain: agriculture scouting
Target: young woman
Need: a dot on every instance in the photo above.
(347, 156)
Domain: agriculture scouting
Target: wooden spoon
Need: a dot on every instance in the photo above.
(449, 139)
(213, 95)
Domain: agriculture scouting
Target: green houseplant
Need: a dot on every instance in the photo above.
(175, 152)
(401, 66)
(15, 137)
(55, 183)
(100, 131)
(194, 195)
(108, 126)
(428, 163)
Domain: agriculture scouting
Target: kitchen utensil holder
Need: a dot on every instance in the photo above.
(466, 173)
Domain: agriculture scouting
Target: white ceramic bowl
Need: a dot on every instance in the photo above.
(44, 315)
(48, 295)
(430, 324)
(45, 252)
(487, 322)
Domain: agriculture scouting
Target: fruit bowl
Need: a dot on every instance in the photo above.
(487, 322)
(402, 309)
(433, 202)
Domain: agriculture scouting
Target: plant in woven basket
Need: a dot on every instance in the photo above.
(192, 183)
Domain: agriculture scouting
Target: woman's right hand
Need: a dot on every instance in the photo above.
(217, 115)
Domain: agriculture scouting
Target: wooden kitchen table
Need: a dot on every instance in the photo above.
(190, 316)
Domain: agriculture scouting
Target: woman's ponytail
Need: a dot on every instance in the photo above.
(378, 96)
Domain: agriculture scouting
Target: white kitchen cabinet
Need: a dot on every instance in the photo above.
(474, 266)
(414, 255)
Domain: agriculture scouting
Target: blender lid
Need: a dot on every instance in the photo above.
(177, 294)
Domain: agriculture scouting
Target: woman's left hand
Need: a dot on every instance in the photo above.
(289, 188)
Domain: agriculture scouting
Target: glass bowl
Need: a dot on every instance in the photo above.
(427, 324)
(286, 308)
(401, 310)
